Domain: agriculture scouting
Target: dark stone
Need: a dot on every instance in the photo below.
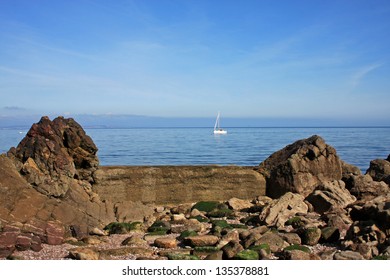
(379, 170)
(364, 187)
(231, 249)
(330, 235)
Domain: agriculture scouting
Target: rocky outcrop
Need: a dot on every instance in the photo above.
(45, 184)
(300, 167)
(54, 153)
(379, 170)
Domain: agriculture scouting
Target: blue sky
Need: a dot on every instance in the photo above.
(258, 59)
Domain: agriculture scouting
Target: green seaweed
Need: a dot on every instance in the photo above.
(258, 248)
(180, 257)
(206, 249)
(297, 247)
(187, 233)
(206, 206)
(246, 255)
(201, 219)
(159, 226)
(122, 228)
(295, 222)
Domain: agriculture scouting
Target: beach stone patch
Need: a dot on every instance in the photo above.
(216, 256)
(230, 236)
(182, 257)
(347, 255)
(274, 240)
(330, 235)
(83, 253)
(203, 252)
(134, 240)
(231, 249)
(177, 251)
(295, 255)
(291, 237)
(125, 250)
(247, 255)
(202, 240)
(160, 226)
(239, 204)
(166, 242)
(311, 236)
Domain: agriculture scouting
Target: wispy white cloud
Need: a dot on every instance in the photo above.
(362, 72)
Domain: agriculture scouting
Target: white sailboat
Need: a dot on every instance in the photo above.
(217, 129)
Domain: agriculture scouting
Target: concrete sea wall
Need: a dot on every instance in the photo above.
(164, 185)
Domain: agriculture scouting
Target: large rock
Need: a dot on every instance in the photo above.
(54, 153)
(300, 167)
(379, 170)
(45, 183)
(330, 196)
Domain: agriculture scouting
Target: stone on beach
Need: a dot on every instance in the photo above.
(280, 210)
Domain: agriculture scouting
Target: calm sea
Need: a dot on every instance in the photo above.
(241, 146)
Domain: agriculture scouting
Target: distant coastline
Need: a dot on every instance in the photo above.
(106, 121)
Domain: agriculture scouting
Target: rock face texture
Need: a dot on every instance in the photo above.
(45, 184)
(282, 209)
(300, 167)
(330, 196)
(54, 153)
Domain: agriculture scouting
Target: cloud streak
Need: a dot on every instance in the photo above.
(361, 73)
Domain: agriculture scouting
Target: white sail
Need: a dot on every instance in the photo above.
(217, 129)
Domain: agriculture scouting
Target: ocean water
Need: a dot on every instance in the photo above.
(241, 146)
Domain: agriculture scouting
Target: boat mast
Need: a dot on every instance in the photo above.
(217, 122)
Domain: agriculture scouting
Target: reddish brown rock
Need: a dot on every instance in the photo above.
(48, 178)
(202, 240)
(55, 233)
(165, 242)
(55, 152)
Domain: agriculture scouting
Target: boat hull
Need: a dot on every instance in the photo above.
(220, 132)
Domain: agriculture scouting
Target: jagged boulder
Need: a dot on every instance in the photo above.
(282, 209)
(300, 167)
(54, 153)
(365, 188)
(379, 170)
(330, 196)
